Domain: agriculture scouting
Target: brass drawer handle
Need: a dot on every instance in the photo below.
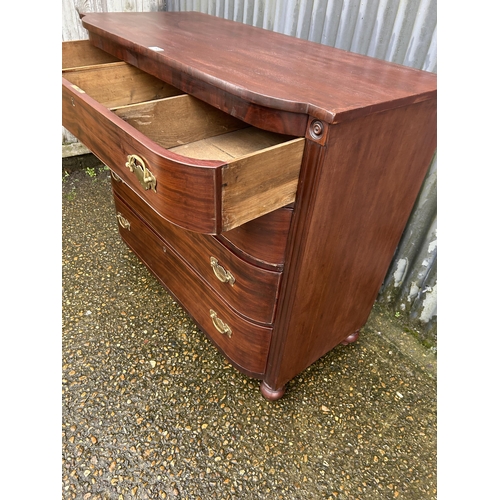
(122, 221)
(221, 273)
(220, 325)
(138, 166)
(115, 177)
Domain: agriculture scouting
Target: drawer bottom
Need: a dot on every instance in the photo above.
(244, 343)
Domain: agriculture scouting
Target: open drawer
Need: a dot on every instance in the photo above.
(197, 166)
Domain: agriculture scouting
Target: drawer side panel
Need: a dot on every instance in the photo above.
(258, 184)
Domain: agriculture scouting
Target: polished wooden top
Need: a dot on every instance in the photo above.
(265, 68)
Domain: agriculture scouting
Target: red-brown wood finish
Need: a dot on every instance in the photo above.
(255, 290)
(188, 191)
(343, 239)
(370, 129)
(260, 116)
(260, 67)
(248, 345)
(261, 241)
(353, 337)
(271, 394)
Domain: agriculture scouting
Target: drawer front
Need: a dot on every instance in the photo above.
(262, 240)
(198, 167)
(244, 343)
(185, 194)
(248, 289)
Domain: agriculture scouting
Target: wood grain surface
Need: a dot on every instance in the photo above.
(81, 53)
(119, 84)
(192, 189)
(354, 200)
(254, 291)
(111, 139)
(262, 241)
(248, 345)
(268, 69)
(365, 135)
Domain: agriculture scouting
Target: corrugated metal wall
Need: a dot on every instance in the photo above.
(400, 31)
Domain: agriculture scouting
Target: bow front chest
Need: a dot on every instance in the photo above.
(264, 180)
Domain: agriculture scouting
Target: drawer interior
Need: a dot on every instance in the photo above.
(174, 120)
(118, 84)
(258, 169)
(192, 128)
(81, 54)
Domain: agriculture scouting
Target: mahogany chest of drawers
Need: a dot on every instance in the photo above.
(264, 180)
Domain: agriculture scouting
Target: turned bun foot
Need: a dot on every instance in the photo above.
(351, 338)
(271, 394)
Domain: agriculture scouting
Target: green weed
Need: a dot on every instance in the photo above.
(90, 171)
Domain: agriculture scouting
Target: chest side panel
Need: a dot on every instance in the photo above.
(350, 217)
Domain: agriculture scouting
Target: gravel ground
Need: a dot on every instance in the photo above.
(151, 410)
